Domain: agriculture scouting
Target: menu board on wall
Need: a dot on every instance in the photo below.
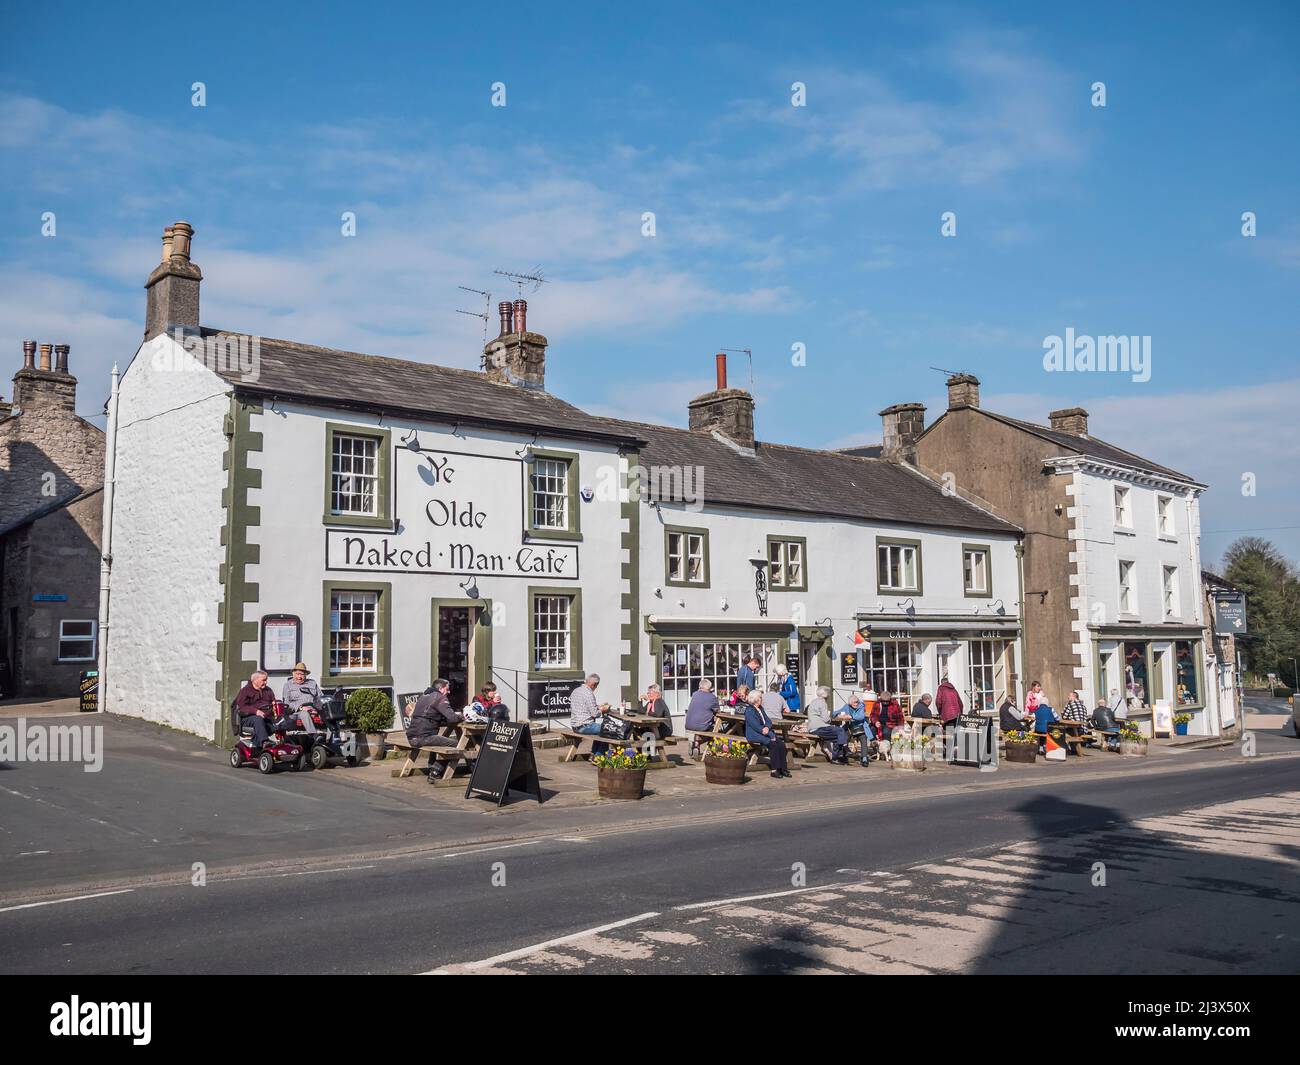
(281, 642)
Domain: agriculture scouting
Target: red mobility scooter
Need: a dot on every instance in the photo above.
(282, 744)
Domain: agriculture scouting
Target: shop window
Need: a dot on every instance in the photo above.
(356, 476)
(553, 494)
(684, 663)
(1136, 674)
(1187, 675)
(357, 631)
(77, 641)
(898, 565)
(686, 557)
(975, 570)
(988, 674)
(786, 560)
(894, 665)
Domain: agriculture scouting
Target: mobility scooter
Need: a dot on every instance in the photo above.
(331, 739)
(282, 746)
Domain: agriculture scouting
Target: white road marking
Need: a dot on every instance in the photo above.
(523, 952)
(277, 876)
(756, 898)
(484, 850)
(75, 898)
(28, 854)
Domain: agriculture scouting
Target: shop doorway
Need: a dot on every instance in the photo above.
(455, 651)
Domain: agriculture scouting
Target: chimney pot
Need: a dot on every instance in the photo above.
(721, 360)
(963, 391)
(521, 316)
(506, 310)
(181, 234)
(1072, 420)
(46, 349)
(29, 354)
(61, 357)
(167, 244)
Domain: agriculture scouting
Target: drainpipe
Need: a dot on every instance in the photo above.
(106, 539)
(1020, 607)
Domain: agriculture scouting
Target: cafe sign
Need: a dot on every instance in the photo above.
(458, 513)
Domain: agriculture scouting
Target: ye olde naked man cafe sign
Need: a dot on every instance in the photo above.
(460, 514)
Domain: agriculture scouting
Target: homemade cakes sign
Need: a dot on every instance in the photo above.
(457, 514)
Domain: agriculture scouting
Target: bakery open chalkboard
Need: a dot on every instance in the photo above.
(505, 763)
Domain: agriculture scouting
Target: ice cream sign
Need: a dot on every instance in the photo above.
(458, 514)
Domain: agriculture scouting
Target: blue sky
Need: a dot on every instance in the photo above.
(775, 225)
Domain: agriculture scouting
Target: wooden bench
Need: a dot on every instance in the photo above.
(575, 742)
(450, 757)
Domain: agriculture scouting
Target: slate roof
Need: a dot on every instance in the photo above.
(776, 476)
(1089, 446)
(290, 370)
(825, 483)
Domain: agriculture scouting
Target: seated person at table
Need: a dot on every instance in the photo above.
(774, 702)
(1044, 715)
(704, 704)
(924, 708)
(1103, 719)
(585, 713)
(821, 726)
(739, 698)
(759, 731)
(1010, 717)
(1075, 709)
(887, 716)
(254, 705)
(431, 714)
(653, 705)
(854, 717)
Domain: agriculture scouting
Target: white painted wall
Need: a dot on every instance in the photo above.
(167, 520)
(292, 570)
(841, 574)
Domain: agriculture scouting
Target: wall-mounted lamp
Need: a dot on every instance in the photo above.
(999, 607)
(908, 605)
(759, 562)
(469, 587)
(526, 452)
(723, 604)
(412, 440)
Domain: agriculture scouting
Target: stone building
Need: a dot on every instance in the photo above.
(51, 481)
(1112, 576)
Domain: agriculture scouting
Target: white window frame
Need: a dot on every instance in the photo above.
(545, 499)
(553, 645)
(1169, 589)
(783, 556)
(909, 583)
(342, 640)
(1123, 496)
(687, 548)
(1165, 523)
(1128, 600)
(350, 484)
(92, 638)
(968, 573)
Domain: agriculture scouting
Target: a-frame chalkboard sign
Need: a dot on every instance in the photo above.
(505, 762)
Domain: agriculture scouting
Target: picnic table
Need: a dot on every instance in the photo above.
(575, 742)
(730, 725)
(468, 736)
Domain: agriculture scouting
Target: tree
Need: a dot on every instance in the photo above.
(1272, 588)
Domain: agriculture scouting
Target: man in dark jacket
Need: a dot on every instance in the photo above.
(254, 705)
(432, 713)
(947, 700)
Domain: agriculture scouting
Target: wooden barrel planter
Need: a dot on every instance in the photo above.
(1133, 748)
(719, 770)
(1021, 752)
(620, 783)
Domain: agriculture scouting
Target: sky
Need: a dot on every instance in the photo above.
(816, 229)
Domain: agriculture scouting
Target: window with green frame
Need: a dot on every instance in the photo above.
(358, 462)
(787, 562)
(358, 633)
(553, 495)
(555, 632)
(898, 565)
(1187, 675)
(976, 568)
(686, 557)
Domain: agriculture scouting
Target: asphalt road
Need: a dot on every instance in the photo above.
(414, 914)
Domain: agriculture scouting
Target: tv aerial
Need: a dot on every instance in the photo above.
(534, 281)
(485, 314)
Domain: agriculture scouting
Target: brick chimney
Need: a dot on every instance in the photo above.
(516, 357)
(173, 287)
(963, 391)
(729, 411)
(903, 423)
(1072, 420)
(47, 385)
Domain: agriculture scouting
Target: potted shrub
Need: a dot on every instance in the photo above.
(1131, 741)
(1021, 746)
(369, 712)
(1181, 721)
(725, 761)
(620, 773)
